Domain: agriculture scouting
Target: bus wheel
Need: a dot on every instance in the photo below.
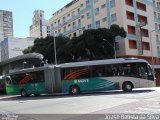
(24, 93)
(127, 86)
(74, 90)
(36, 95)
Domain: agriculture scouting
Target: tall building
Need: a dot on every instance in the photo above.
(12, 47)
(40, 27)
(156, 32)
(6, 25)
(78, 15)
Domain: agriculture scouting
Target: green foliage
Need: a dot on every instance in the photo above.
(27, 50)
(89, 46)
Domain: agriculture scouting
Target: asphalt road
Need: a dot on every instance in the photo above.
(89, 106)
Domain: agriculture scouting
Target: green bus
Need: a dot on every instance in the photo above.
(74, 78)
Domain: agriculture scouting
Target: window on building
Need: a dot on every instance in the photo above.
(114, 17)
(103, 6)
(73, 13)
(98, 24)
(74, 24)
(141, 6)
(146, 46)
(81, 5)
(59, 31)
(156, 26)
(59, 22)
(130, 15)
(78, 10)
(80, 32)
(79, 21)
(155, 15)
(157, 38)
(64, 28)
(95, 1)
(68, 15)
(144, 32)
(96, 11)
(112, 3)
(74, 34)
(158, 15)
(132, 44)
(129, 2)
(82, 16)
(83, 28)
(88, 15)
(89, 26)
(87, 2)
(104, 19)
(69, 25)
(64, 19)
(131, 30)
(52, 26)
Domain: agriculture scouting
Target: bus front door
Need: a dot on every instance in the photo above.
(143, 75)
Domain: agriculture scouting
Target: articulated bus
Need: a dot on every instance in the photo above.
(74, 78)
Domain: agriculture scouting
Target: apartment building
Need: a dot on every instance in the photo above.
(156, 32)
(40, 26)
(12, 47)
(79, 15)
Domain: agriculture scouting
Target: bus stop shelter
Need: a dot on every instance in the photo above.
(21, 62)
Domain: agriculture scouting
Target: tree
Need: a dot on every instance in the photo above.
(88, 46)
(28, 50)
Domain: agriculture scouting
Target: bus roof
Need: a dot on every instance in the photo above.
(101, 62)
(28, 70)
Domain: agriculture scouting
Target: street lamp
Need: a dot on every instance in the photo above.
(139, 37)
(55, 52)
(151, 46)
(112, 47)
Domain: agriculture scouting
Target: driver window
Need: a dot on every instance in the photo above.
(8, 80)
(142, 70)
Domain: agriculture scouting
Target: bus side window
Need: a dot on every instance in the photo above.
(142, 70)
(108, 71)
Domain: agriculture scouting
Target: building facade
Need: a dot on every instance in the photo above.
(6, 25)
(156, 33)
(12, 47)
(80, 15)
(40, 27)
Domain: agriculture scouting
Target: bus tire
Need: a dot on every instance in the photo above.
(24, 93)
(74, 90)
(127, 86)
(36, 95)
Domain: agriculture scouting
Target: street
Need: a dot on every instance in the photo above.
(140, 101)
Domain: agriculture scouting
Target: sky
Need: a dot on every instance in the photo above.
(22, 11)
